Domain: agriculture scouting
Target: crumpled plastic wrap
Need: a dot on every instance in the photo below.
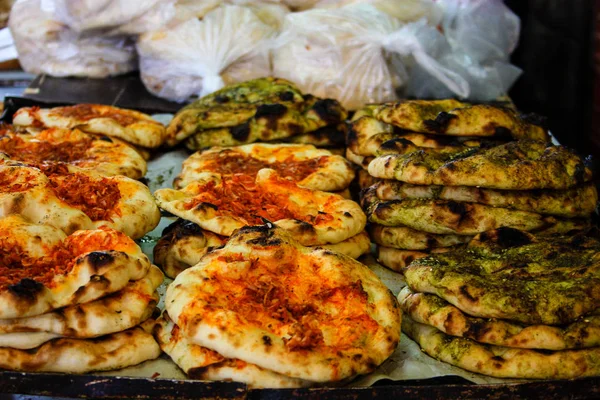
(197, 57)
(357, 54)
(48, 46)
(404, 10)
(111, 17)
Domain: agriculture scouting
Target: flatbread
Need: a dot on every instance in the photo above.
(222, 204)
(80, 356)
(132, 126)
(451, 117)
(503, 362)
(403, 237)
(42, 269)
(365, 180)
(184, 243)
(362, 161)
(513, 275)
(201, 363)
(270, 122)
(398, 259)
(98, 153)
(70, 198)
(306, 313)
(451, 217)
(305, 164)
(520, 165)
(430, 309)
(579, 201)
(260, 109)
(330, 136)
(113, 313)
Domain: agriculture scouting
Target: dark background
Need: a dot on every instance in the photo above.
(560, 59)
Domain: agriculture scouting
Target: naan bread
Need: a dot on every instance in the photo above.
(306, 313)
(42, 269)
(70, 198)
(80, 356)
(520, 165)
(430, 309)
(579, 201)
(113, 313)
(450, 217)
(183, 243)
(403, 237)
(513, 275)
(201, 363)
(98, 153)
(503, 362)
(398, 259)
(451, 117)
(305, 164)
(132, 126)
(222, 204)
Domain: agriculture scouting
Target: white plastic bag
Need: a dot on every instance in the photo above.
(481, 35)
(356, 54)
(47, 46)
(404, 10)
(198, 57)
(111, 17)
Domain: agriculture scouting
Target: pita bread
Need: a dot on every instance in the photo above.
(520, 165)
(80, 356)
(503, 362)
(429, 309)
(201, 363)
(305, 313)
(579, 201)
(305, 164)
(398, 259)
(450, 117)
(509, 274)
(101, 154)
(132, 126)
(402, 237)
(42, 269)
(222, 204)
(71, 199)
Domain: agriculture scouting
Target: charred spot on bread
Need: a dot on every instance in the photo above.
(99, 259)
(26, 289)
(328, 110)
(510, 237)
(440, 123)
(271, 111)
(240, 132)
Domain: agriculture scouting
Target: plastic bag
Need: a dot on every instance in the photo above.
(356, 54)
(47, 46)
(271, 12)
(404, 10)
(111, 17)
(198, 57)
(480, 35)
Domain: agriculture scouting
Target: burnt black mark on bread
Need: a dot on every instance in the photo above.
(396, 144)
(182, 228)
(26, 289)
(270, 111)
(240, 132)
(506, 237)
(440, 123)
(328, 110)
(267, 341)
(99, 259)
(204, 206)
(286, 96)
(457, 208)
(464, 291)
(221, 99)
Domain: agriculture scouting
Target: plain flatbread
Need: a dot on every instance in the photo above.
(80, 356)
(42, 269)
(305, 164)
(579, 201)
(70, 198)
(403, 237)
(306, 313)
(451, 117)
(201, 363)
(223, 204)
(520, 165)
(430, 309)
(132, 126)
(503, 362)
(114, 313)
(513, 275)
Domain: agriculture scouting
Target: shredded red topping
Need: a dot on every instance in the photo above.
(39, 151)
(229, 162)
(239, 196)
(85, 112)
(8, 183)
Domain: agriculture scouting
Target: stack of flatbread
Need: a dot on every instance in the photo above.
(73, 303)
(436, 173)
(269, 312)
(509, 305)
(299, 187)
(260, 110)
